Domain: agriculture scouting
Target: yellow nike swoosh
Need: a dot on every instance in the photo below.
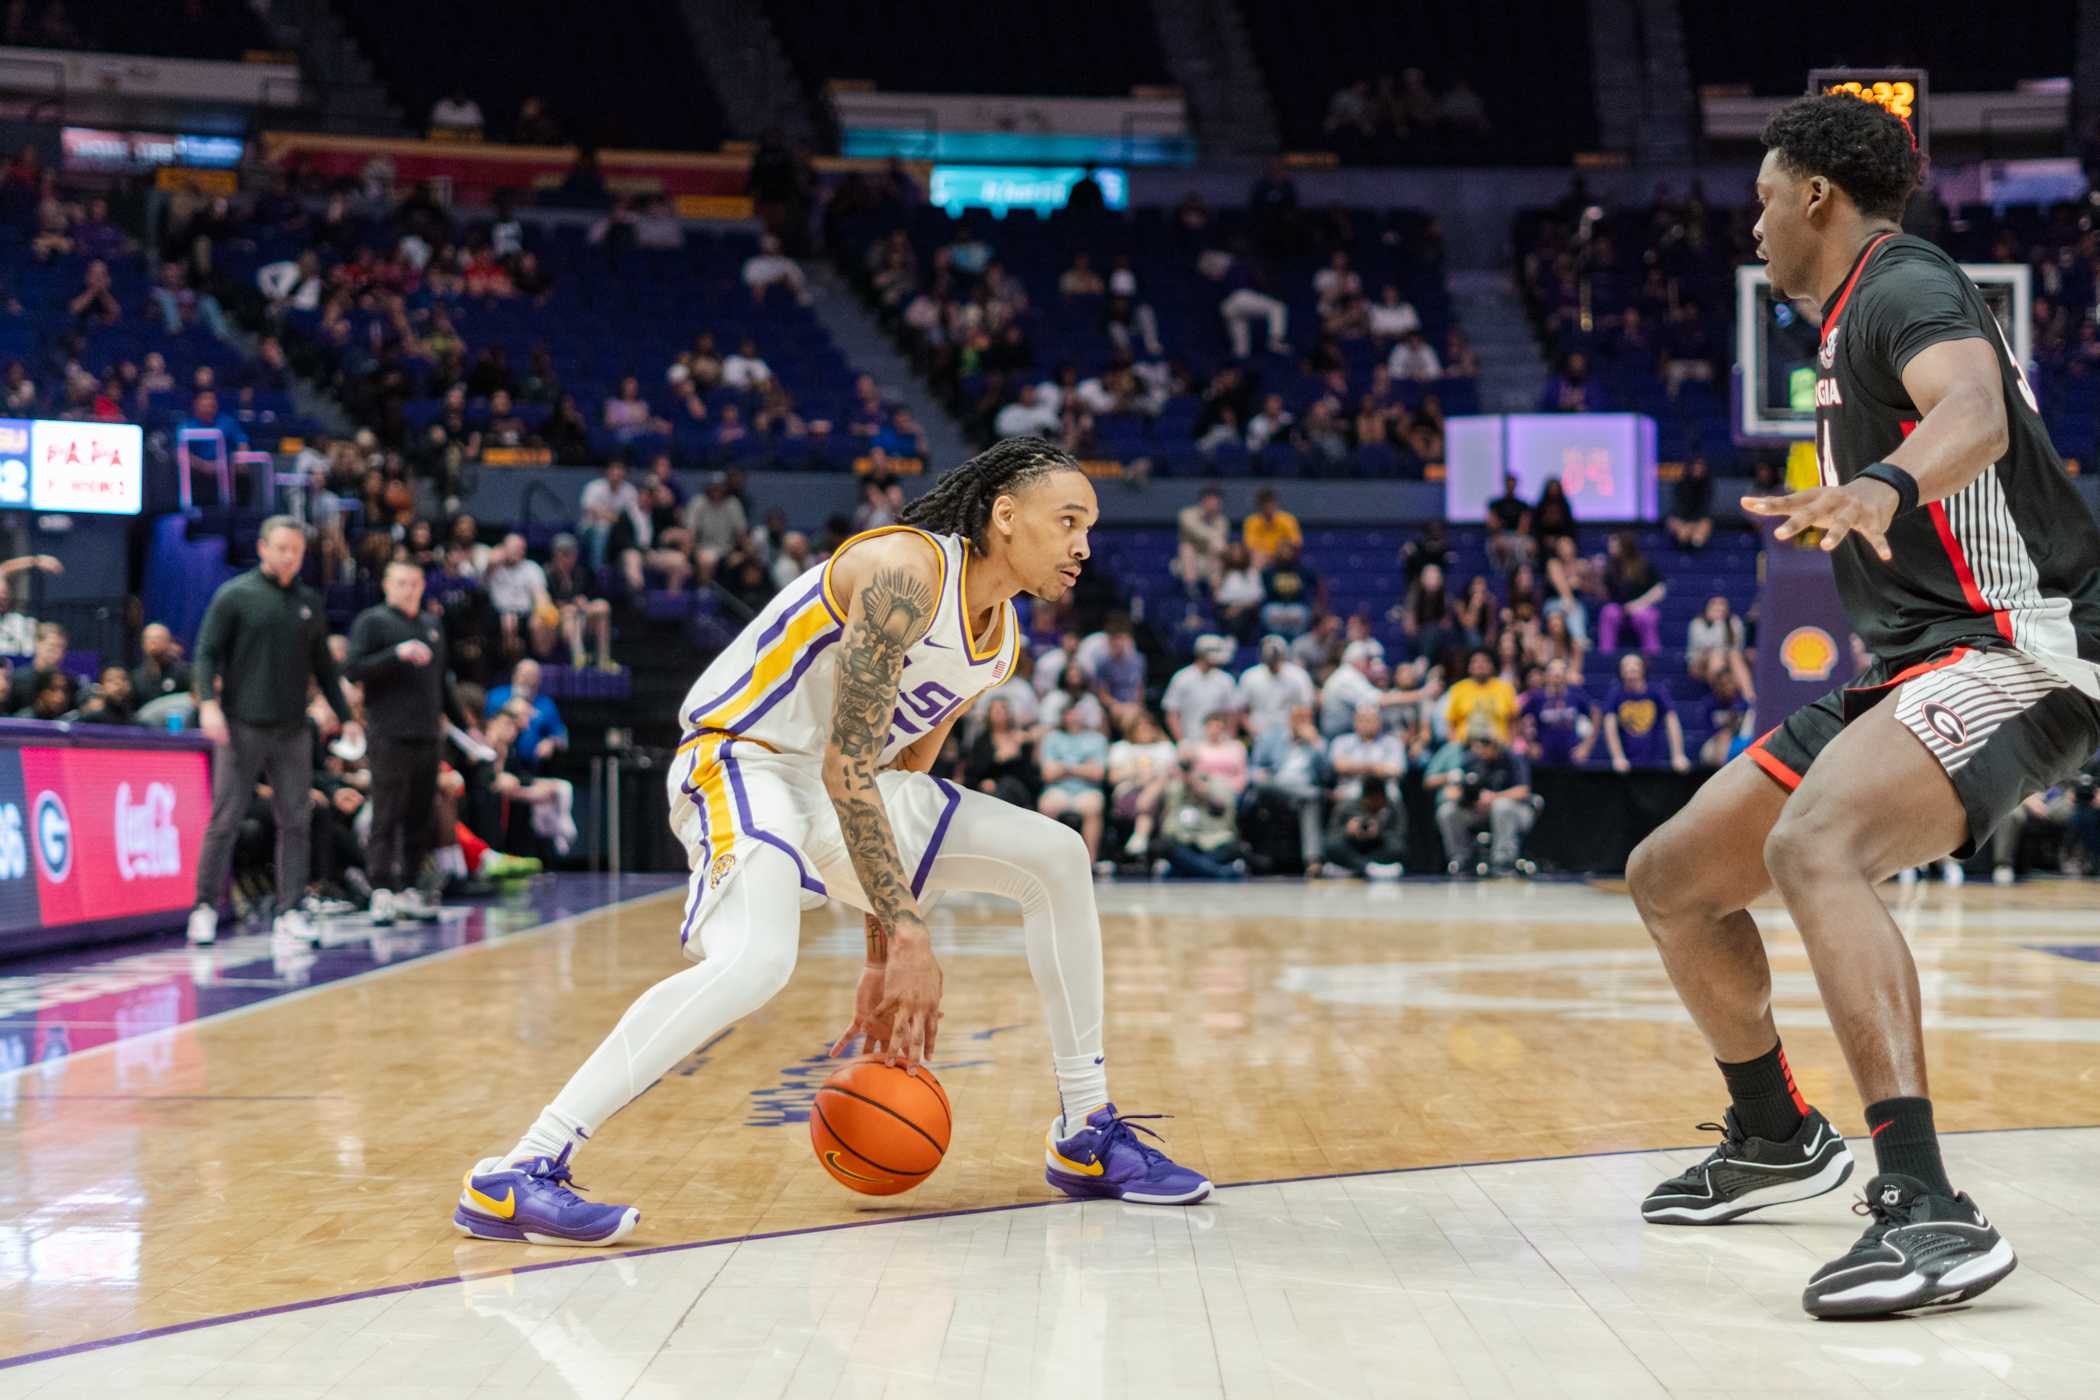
(1083, 1169)
(502, 1210)
(832, 1158)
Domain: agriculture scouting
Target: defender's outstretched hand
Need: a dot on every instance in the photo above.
(1862, 508)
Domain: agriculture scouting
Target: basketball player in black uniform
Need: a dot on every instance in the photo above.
(1970, 566)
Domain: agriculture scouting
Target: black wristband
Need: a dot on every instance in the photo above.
(1902, 482)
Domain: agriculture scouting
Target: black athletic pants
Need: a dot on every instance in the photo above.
(284, 758)
(404, 797)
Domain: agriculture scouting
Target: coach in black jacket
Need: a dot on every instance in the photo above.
(398, 655)
(263, 637)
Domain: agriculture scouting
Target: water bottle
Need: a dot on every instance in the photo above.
(174, 721)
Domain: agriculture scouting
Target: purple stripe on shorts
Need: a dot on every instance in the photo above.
(707, 852)
(743, 812)
(778, 625)
(940, 830)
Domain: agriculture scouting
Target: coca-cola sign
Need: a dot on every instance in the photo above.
(148, 843)
(112, 832)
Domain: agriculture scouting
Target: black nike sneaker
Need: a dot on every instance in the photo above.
(1749, 1173)
(1923, 1250)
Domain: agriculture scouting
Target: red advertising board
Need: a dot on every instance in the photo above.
(112, 833)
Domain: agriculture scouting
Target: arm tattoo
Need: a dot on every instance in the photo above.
(894, 609)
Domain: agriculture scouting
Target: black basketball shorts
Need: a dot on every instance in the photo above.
(2003, 726)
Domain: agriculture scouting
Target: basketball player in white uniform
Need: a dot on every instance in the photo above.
(803, 775)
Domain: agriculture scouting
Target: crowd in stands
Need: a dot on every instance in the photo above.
(1389, 120)
(1385, 84)
(1269, 340)
(462, 340)
(86, 333)
(1634, 309)
(1299, 759)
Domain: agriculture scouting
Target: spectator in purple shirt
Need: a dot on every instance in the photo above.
(1570, 391)
(869, 414)
(96, 237)
(1640, 725)
(1119, 674)
(1559, 721)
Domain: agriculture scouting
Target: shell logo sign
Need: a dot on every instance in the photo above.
(1809, 654)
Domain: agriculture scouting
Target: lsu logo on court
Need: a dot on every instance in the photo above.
(719, 870)
(1809, 654)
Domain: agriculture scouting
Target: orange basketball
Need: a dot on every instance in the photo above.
(879, 1130)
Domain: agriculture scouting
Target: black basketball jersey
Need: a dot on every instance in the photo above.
(2013, 557)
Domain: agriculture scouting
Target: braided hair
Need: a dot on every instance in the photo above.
(960, 503)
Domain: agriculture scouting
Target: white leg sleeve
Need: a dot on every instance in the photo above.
(993, 847)
(749, 941)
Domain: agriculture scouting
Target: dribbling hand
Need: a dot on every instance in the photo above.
(869, 1022)
(911, 996)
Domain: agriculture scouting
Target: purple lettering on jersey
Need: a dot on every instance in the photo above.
(929, 704)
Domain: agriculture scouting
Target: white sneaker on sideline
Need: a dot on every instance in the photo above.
(1383, 870)
(1907, 876)
(295, 925)
(382, 909)
(204, 925)
(1952, 873)
(2003, 875)
(415, 904)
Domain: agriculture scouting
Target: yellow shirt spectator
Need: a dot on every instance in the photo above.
(1263, 534)
(1493, 699)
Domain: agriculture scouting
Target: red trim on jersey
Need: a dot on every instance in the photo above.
(1963, 575)
(1830, 321)
(1776, 770)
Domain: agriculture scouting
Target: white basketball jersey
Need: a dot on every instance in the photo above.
(776, 683)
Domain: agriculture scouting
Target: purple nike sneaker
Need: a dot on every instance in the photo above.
(1106, 1159)
(533, 1201)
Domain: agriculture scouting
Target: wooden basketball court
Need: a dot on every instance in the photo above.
(309, 1148)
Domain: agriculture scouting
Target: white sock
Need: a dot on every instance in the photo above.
(450, 860)
(552, 1131)
(1082, 1087)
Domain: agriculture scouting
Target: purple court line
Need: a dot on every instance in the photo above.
(172, 1329)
